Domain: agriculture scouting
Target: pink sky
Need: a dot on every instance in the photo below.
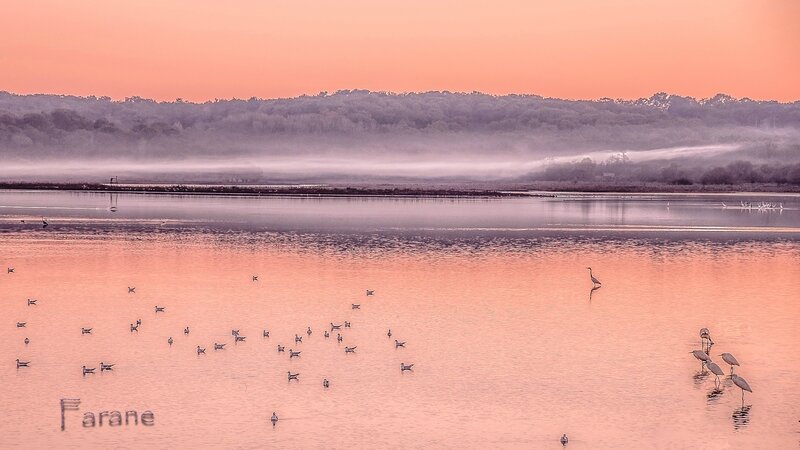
(200, 50)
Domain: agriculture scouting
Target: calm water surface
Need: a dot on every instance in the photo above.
(510, 346)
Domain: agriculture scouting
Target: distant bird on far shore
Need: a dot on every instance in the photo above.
(595, 281)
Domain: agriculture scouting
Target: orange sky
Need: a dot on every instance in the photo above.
(203, 49)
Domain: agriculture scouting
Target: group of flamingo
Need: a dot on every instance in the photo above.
(705, 361)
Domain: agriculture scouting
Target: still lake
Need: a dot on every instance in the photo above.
(511, 347)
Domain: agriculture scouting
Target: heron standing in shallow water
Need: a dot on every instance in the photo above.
(595, 281)
(742, 383)
(730, 359)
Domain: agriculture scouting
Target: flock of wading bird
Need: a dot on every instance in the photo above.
(237, 337)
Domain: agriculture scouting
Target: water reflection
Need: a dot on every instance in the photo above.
(591, 292)
(741, 417)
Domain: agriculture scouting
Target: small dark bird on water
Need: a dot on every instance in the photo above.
(404, 367)
(350, 349)
(104, 366)
(293, 376)
(169, 341)
(21, 324)
(186, 330)
(27, 341)
(22, 363)
(308, 332)
(369, 292)
(88, 370)
(347, 324)
(10, 270)
(356, 306)
(86, 331)
(266, 334)
(31, 302)
(326, 334)
(134, 328)
(389, 333)
(239, 339)
(255, 277)
(293, 354)
(159, 309)
(274, 419)
(399, 344)
(338, 337)
(131, 290)
(280, 348)
(297, 339)
(325, 383)
(564, 439)
(219, 346)
(200, 350)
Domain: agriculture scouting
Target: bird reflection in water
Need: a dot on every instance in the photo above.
(714, 394)
(741, 416)
(700, 376)
(591, 292)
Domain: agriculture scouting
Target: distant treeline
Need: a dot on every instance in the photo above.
(736, 172)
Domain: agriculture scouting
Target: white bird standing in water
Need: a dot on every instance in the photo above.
(742, 383)
(730, 359)
(595, 281)
(715, 369)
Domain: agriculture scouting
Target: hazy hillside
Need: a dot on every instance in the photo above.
(370, 136)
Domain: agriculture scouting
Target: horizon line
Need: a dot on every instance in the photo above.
(390, 93)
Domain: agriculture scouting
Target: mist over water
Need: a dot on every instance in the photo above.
(361, 136)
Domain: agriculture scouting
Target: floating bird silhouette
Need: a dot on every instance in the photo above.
(274, 419)
(325, 383)
(26, 341)
(356, 306)
(326, 334)
(186, 330)
(742, 383)
(308, 332)
(350, 349)
(200, 350)
(266, 333)
(88, 370)
(10, 270)
(21, 324)
(22, 363)
(297, 339)
(255, 277)
(730, 359)
(293, 376)
(404, 367)
(104, 366)
(234, 332)
(335, 327)
(169, 341)
(389, 333)
(239, 339)
(44, 223)
(159, 309)
(219, 346)
(293, 354)
(86, 331)
(134, 328)
(564, 439)
(280, 348)
(370, 292)
(595, 281)
(346, 324)
(131, 290)
(399, 344)
(31, 302)
(338, 337)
